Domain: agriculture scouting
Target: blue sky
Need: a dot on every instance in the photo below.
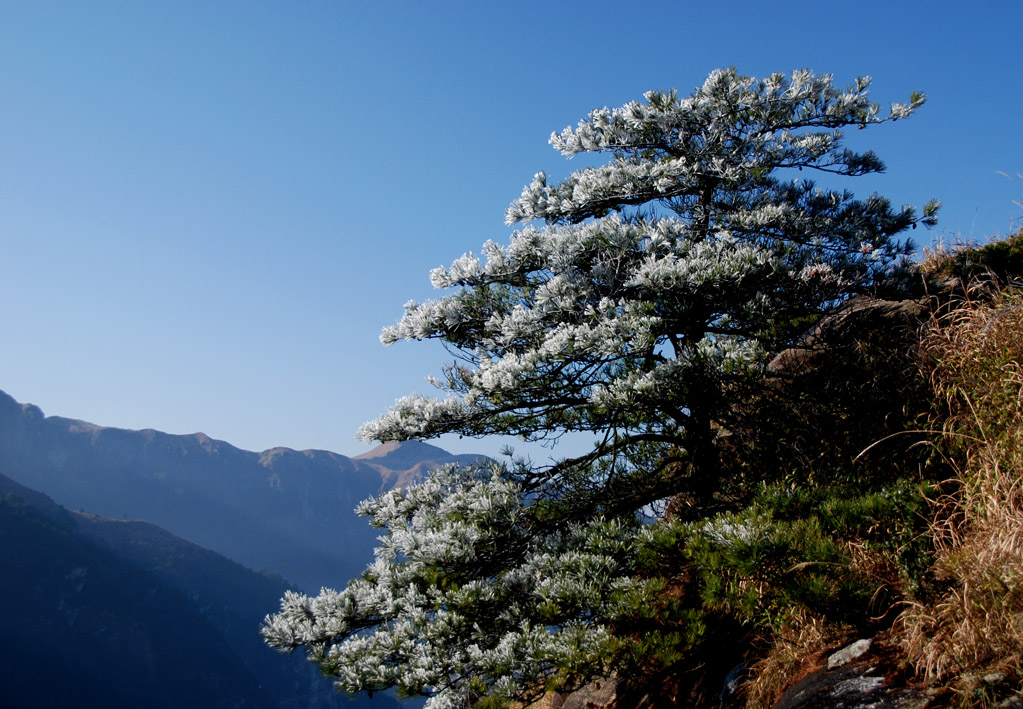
(208, 210)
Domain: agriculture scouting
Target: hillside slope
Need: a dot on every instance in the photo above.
(83, 627)
(138, 575)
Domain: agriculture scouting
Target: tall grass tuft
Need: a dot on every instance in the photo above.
(973, 626)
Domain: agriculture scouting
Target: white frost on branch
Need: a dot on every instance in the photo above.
(425, 637)
(660, 284)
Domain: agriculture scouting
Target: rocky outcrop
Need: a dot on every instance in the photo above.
(598, 694)
(859, 322)
(859, 676)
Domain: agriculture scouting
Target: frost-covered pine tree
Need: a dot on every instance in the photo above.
(659, 282)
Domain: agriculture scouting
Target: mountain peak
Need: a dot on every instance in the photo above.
(401, 455)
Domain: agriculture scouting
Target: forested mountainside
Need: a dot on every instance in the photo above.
(116, 607)
(84, 627)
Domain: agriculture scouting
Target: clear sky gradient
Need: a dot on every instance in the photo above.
(208, 210)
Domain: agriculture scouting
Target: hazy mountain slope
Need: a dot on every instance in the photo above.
(232, 598)
(83, 627)
(227, 596)
(283, 510)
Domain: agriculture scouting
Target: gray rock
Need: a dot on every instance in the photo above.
(849, 653)
(852, 680)
(598, 694)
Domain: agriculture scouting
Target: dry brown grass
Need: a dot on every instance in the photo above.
(976, 626)
(798, 648)
(938, 257)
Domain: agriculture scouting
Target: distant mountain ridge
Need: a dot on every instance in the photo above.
(283, 510)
